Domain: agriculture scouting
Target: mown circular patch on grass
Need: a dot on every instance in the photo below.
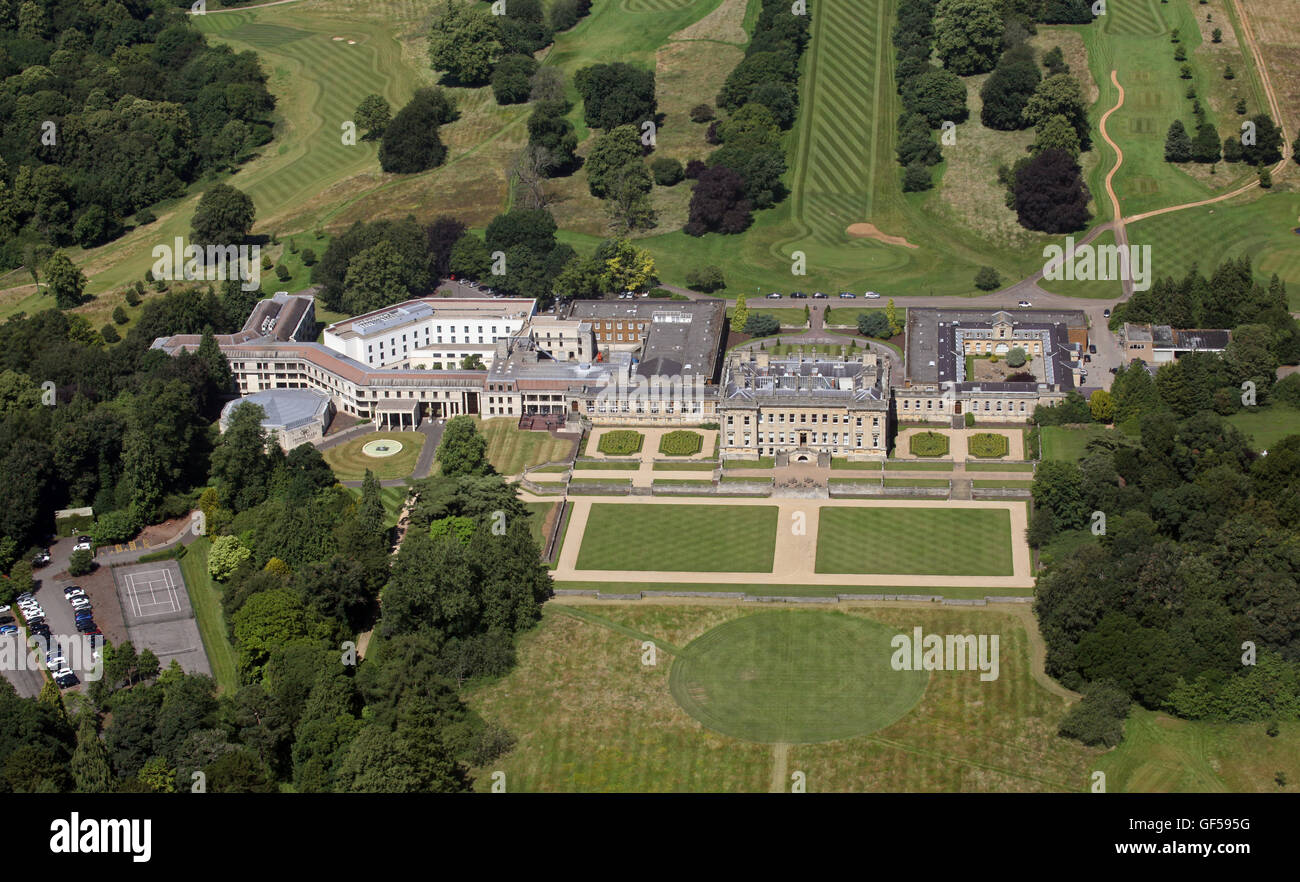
(382, 448)
(795, 677)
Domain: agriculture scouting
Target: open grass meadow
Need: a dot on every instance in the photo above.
(691, 538)
(1267, 425)
(1067, 443)
(590, 717)
(205, 597)
(349, 463)
(922, 541)
(511, 449)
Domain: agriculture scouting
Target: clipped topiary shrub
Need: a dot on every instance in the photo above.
(988, 445)
(681, 443)
(928, 444)
(622, 442)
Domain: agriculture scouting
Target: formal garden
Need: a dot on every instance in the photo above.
(928, 444)
(681, 443)
(621, 442)
(988, 445)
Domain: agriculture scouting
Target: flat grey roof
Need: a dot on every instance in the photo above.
(284, 408)
(930, 359)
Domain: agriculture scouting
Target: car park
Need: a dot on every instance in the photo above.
(847, 295)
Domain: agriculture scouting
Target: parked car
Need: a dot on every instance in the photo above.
(847, 295)
(1092, 348)
(1024, 304)
(775, 296)
(1114, 370)
(88, 626)
(798, 295)
(78, 601)
(819, 296)
(71, 589)
(1106, 313)
(6, 620)
(83, 613)
(41, 559)
(55, 660)
(5, 608)
(871, 295)
(65, 678)
(1087, 359)
(8, 629)
(83, 544)
(76, 595)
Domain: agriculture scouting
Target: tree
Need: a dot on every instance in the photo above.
(1006, 92)
(465, 43)
(718, 203)
(915, 145)
(223, 217)
(534, 228)
(874, 324)
(512, 80)
(81, 563)
(64, 280)
(1016, 356)
(968, 35)
(612, 151)
(761, 325)
(1054, 61)
(667, 171)
(628, 200)
(891, 313)
(1178, 144)
(1060, 95)
(740, 315)
(938, 95)
(1058, 487)
(581, 279)
(987, 279)
(463, 451)
(370, 507)
(377, 277)
(373, 115)
(1049, 193)
(411, 142)
(708, 279)
(1205, 147)
(616, 94)
(916, 177)
(1102, 406)
(1056, 133)
(227, 555)
(241, 470)
(469, 258)
(89, 766)
(628, 268)
(1267, 148)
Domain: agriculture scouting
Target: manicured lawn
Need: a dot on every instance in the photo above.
(763, 590)
(763, 462)
(702, 538)
(841, 463)
(620, 442)
(999, 466)
(928, 444)
(794, 677)
(913, 465)
(988, 445)
(789, 318)
(587, 482)
(684, 466)
(205, 597)
(587, 466)
(680, 482)
(681, 443)
(536, 523)
(511, 449)
(920, 541)
(1267, 425)
(349, 463)
(1065, 443)
(916, 482)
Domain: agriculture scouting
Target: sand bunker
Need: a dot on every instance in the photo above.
(869, 231)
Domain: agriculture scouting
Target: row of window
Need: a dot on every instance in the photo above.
(833, 418)
(811, 439)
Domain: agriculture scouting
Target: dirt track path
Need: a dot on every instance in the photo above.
(1119, 157)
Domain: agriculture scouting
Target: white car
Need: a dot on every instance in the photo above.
(54, 662)
(83, 544)
(62, 672)
(30, 609)
(80, 603)
(872, 295)
(1024, 304)
(73, 595)
(4, 609)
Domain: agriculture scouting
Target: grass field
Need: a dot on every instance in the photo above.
(928, 541)
(1269, 425)
(350, 464)
(391, 497)
(590, 717)
(794, 677)
(999, 466)
(511, 449)
(205, 597)
(962, 592)
(689, 538)
(1066, 443)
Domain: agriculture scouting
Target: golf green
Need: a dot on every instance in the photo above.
(795, 677)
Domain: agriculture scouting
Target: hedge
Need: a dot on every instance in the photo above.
(988, 445)
(622, 442)
(681, 443)
(928, 444)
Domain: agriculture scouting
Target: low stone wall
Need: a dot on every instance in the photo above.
(1001, 493)
(788, 598)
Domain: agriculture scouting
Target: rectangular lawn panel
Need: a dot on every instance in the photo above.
(915, 541)
(689, 538)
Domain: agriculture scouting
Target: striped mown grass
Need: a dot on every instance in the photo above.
(692, 538)
(917, 541)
